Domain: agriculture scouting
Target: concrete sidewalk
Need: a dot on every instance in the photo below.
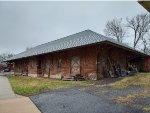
(5, 89)
(18, 105)
(12, 103)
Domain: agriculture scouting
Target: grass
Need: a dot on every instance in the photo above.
(131, 97)
(147, 108)
(124, 99)
(140, 79)
(27, 86)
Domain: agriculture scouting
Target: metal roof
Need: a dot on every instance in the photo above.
(76, 40)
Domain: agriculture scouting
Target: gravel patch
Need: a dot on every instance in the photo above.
(107, 92)
(75, 100)
(142, 101)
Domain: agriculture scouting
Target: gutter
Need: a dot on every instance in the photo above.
(105, 41)
(145, 4)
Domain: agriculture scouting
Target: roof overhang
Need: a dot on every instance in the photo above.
(145, 4)
(105, 41)
(81, 39)
(128, 49)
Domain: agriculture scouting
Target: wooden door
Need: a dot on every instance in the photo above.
(39, 68)
(101, 66)
(43, 67)
(75, 65)
(47, 68)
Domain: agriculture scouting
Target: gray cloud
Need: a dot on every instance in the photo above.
(27, 24)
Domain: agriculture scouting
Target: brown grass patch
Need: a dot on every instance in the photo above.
(130, 98)
(124, 99)
(147, 108)
(140, 79)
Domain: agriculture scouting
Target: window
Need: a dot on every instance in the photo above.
(32, 64)
(59, 63)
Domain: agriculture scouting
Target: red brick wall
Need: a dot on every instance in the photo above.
(32, 65)
(88, 60)
(147, 64)
(18, 67)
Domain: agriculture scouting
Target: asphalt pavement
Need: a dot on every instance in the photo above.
(72, 100)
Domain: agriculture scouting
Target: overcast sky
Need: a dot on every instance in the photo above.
(27, 24)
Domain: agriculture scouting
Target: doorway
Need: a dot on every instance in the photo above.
(75, 65)
(39, 68)
(47, 68)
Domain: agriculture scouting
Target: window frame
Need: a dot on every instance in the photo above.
(59, 63)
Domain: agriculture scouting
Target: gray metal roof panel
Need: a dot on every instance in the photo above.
(79, 39)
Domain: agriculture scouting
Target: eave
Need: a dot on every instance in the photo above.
(145, 4)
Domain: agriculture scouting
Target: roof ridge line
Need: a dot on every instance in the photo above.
(58, 39)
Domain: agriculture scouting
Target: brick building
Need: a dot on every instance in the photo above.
(86, 53)
(6, 66)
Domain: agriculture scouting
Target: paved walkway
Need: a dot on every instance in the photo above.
(5, 89)
(12, 103)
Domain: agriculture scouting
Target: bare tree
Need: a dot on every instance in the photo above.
(4, 56)
(115, 29)
(140, 24)
(146, 44)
